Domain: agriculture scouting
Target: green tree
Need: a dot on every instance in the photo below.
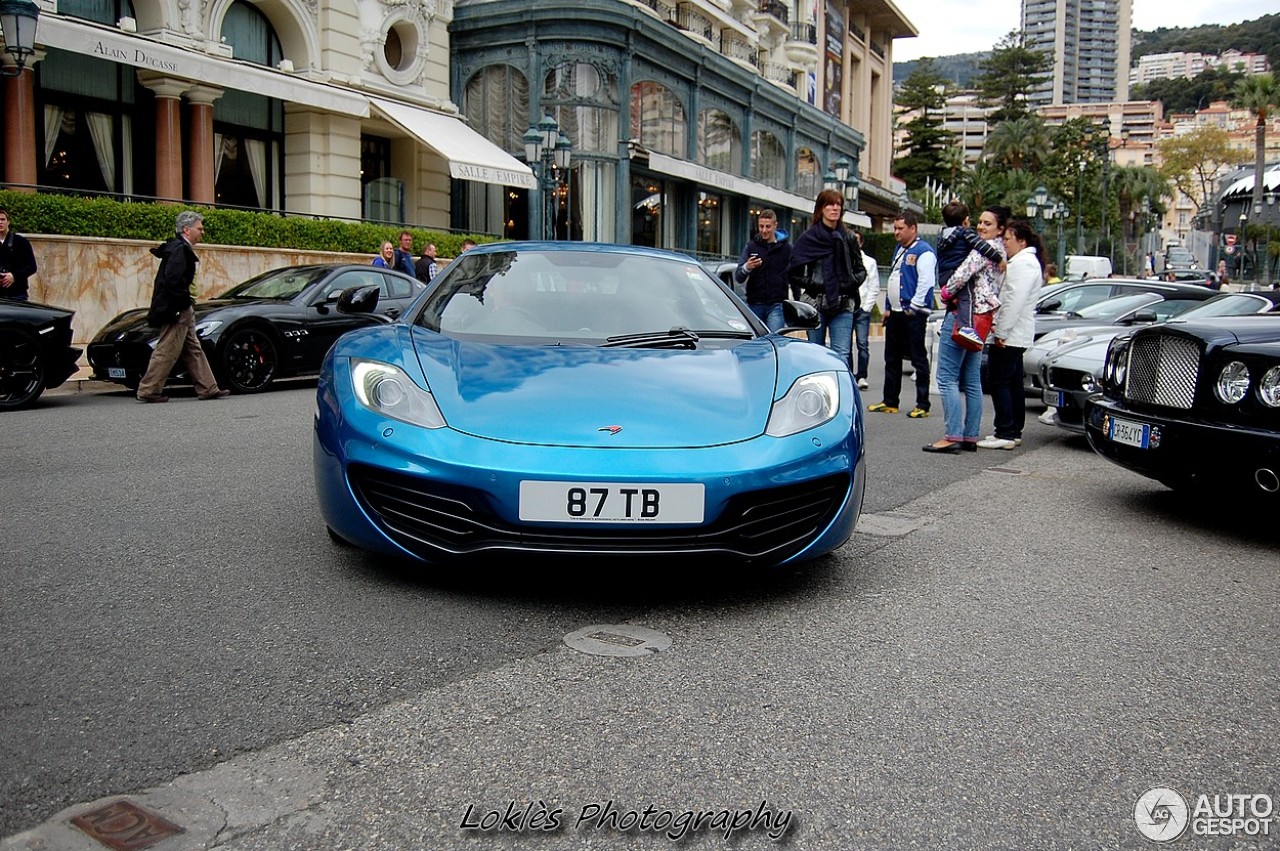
(1019, 142)
(1009, 75)
(1179, 94)
(1259, 94)
(923, 97)
(1194, 162)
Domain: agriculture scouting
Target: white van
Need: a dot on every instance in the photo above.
(1081, 266)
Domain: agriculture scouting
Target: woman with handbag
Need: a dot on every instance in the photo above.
(826, 270)
(971, 296)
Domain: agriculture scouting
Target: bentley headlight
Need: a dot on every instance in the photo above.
(387, 390)
(1269, 388)
(1117, 355)
(811, 401)
(1233, 383)
(207, 327)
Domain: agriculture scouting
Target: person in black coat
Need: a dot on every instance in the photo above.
(171, 311)
(763, 267)
(17, 261)
(827, 271)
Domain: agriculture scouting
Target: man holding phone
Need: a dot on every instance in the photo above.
(763, 267)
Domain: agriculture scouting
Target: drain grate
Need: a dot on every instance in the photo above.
(1008, 471)
(617, 640)
(125, 826)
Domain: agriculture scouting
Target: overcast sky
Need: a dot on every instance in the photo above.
(956, 26)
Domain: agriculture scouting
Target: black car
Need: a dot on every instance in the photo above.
(1192, 402)
(35, 350)
(276, 325)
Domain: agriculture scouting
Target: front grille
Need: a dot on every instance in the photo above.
(1067, 379)
(437, 521)
(1163, 369)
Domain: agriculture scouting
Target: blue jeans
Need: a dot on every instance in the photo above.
(960, 384)
(862, 331)
(770, 314)
(839, 327)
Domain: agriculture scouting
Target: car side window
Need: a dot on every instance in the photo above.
(352, 278)
(395, 287)
(1172, 307)
(1078, 297)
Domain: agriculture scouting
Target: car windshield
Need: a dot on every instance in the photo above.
(583, 296)
(1230, 304)
(1116, 307)
(283, 284)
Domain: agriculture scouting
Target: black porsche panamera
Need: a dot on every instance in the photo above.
(279, 324)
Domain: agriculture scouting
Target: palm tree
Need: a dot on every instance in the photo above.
(1019, 142)
(1260, 94)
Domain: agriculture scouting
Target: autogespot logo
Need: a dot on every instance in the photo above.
(1161, 814)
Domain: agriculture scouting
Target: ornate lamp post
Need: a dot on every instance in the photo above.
(840, 180)
(18, 20)
(549, 152)
(1041, 209)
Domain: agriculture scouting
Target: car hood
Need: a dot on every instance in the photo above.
(591, 396)
(134, 322)
(1259, 333)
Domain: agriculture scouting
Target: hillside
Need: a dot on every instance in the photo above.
(1261, 35)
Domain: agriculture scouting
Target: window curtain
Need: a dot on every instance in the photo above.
(52, 127)
(100, 130)
(126, 134)
(217, 156)
(256, 151)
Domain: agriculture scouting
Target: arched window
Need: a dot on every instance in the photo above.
(657, 119)
(248, 128)
(768, 159)
(808, 173)
(584, 102)
(719, 142)
(496, 103)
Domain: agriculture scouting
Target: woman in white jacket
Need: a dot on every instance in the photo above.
(1012, 333)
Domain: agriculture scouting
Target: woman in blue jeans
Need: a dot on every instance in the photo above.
(830, 251)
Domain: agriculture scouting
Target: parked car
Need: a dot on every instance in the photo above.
(278, 324)
(35, 350)
(1130, 308)
(1194, 403)
(590, 400)
(1074, 296)
(1179, 257)
(1203, 277)
(1072, 371)
(1082, 266)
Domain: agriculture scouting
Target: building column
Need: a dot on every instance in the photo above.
(20, 164)
(200, 174)
(168, 91)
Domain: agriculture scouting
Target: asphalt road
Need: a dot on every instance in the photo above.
(1013, 648)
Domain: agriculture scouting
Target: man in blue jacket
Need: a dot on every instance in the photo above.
(908, 303)
(763, 266)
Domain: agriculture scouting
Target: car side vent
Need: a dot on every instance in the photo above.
(1163, 370)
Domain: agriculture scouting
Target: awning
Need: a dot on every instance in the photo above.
(470, 155)
(731, 182)
(857, 219)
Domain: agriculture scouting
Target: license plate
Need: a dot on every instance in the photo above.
(1055, 399)
(611, 502)
(115, 372)
(1129, 433)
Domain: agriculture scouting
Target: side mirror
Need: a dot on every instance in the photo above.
(362, 299)
(1143, 316)
(798, 315)
(1049, 306)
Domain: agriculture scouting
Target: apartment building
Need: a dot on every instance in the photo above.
(1089, 42)
(1163, 66)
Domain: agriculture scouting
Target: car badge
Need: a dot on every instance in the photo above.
(610, 429)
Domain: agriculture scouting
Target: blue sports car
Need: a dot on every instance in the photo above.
(575, 399)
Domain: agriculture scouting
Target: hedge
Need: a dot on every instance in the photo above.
(68, 215)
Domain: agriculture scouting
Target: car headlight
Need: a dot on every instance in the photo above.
(811, 401)
(1233, 383)
(207, 327)
(387, 390)
(1117, 357)
(1269, 388)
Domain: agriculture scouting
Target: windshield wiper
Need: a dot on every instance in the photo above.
(678, 337)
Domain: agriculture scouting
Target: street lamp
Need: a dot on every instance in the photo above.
(840, 180)
(18, 22)
(549, 152)
(1240, 238)
(1038, 207)
(1043, 208)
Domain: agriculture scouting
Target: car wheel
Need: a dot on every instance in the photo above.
(21, 369)
(249, 360)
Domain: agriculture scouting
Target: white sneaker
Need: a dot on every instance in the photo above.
(1017, 441)
(997, 443)
(862, 384)
(1050, 416)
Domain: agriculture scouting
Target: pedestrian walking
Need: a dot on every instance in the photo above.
(17, 261)
(763, 267)
(402, 258)
(908, 302)
(826, 270)
(172, 312)
(386, 258)
(425, 269)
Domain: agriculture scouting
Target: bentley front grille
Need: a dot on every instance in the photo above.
(1163, 369)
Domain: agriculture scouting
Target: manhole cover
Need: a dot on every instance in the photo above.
(125, 826)
(617, 640)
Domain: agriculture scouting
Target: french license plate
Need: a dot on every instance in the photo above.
(1129, 433)
(611, 502)
(115, 372)
(1055, 399)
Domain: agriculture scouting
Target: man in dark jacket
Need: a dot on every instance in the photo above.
(17, 261)
(171, 311)
(763, 266)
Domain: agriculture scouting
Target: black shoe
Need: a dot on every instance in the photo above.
(153, 398)
(217, 394)
(969, 446)
(944, 448)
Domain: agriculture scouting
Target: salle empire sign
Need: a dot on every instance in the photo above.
(134, 56)
(485, 174)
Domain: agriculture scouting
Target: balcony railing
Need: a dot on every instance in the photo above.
(776, 9)
(858, 32)
(777, 73)
(736, 47)
(688, 18)
(665, 10)
(804, 32)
